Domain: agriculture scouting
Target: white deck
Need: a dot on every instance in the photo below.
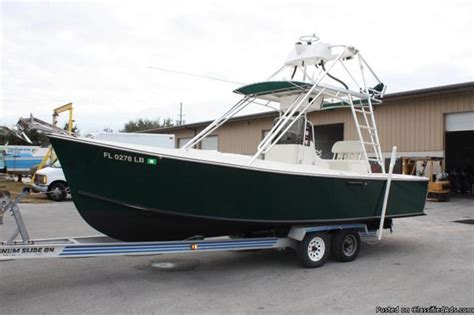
(237, 160)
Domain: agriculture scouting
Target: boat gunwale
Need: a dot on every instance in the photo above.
(374, 176)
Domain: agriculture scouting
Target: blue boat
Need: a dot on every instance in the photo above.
(2, 163)
(21, 159)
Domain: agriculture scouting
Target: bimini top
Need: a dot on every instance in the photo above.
(276, 88)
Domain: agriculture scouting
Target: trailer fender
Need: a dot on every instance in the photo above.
(299, 232)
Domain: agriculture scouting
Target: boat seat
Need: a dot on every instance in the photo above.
(347, 150)
(347, 156)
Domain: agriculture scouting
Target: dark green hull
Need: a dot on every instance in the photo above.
(136, 196)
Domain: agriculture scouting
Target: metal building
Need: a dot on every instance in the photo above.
(437, 121)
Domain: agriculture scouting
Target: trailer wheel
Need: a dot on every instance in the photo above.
(313, 250)
(57, 191)
(346, 245)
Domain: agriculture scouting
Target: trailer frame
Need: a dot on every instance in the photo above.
(101, 245)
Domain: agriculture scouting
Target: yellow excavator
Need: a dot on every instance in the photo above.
(439, 187)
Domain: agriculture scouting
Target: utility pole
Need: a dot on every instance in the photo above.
(181, 113)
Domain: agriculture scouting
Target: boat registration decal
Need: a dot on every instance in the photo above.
(129, 158)
(151, 161)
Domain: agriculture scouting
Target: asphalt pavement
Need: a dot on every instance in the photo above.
(427, 261)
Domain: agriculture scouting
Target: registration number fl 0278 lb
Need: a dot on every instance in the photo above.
(124, 157)
(129, 158)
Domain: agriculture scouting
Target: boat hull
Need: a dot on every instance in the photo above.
(133, 195)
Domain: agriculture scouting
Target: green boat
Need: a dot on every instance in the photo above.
(142, 193)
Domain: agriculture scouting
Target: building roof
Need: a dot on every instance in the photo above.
(432, 91)
(404, 95)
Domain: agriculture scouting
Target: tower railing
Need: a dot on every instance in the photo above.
(360, 102)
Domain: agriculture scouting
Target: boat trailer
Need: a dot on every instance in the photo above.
(313, 244)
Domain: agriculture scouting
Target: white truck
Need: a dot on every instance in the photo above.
(51, 179)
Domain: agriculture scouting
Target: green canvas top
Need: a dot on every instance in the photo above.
(273, 90)
(272, 87)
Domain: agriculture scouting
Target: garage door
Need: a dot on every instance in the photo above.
(182, 142)
(210, 143)
(459, 144)
(460, 121)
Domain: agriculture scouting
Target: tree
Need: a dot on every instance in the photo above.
(36, 137)
(145, 124)
(75, 129)
(167, 123)
(179, 122)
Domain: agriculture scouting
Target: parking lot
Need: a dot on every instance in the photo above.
(426, 261)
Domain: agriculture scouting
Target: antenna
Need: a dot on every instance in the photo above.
(197, 75)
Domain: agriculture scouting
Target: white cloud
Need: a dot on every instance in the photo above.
(98, 54)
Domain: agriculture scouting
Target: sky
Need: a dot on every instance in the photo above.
(98, 54)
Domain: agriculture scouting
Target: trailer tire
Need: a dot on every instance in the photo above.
(313, 251)
(346, 245)
(57, 191)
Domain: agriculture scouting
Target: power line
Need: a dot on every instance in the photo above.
(197, 75)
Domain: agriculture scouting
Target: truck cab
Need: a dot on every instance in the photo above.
(51, 180)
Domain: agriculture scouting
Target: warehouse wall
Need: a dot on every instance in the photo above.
(418, 125)
(234, 137)
(413, 125)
